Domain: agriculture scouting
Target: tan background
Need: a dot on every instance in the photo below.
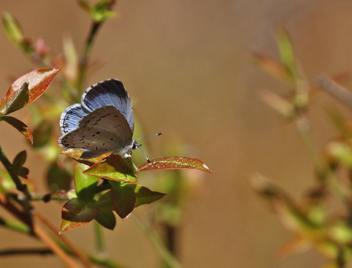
(188, 65)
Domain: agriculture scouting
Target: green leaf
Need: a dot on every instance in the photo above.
(84, 5)
(123, 199)
(174, 162)
(106, 218)
(58, 178)
(13, 29)
(42, 134)
(85, 185)
(19, 125)
(102, 11)
(145, 195)
(115, 168)
(37, 80)
(18, 100)
(20, 159)
(286, 53)
(76, 213)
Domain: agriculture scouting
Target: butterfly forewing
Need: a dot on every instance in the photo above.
(109, 93)
(103, 130)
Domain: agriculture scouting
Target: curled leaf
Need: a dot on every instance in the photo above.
(19, 125)
(35, 82)
(76, 155)
(174, 162)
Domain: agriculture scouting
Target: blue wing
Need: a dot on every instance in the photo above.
(110, 92)
(70, 118)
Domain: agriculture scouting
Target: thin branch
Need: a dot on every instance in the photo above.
(19, 185)
(157, 242)
(76, 251)
(54, 247)
(85, 57)
(334, 89)
(24, 251)
(99, 238)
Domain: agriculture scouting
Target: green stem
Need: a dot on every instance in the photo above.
(85, 56)
(15, 225)
(158, 243)
(99, 238)
(48, 197)
(19, 185)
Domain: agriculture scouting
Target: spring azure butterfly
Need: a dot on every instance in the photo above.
(103, 123)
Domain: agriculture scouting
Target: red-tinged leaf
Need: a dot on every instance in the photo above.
(19, 125)
(106, 218)
(85, 185)
(38, 81)
(68, 225)
(278, 103)
(145, 195)
(272, 66)
(76, 213)
(297, 244)
(58, 178)
(123, 199)
(114, 168)
(174, 162)
(76, 155)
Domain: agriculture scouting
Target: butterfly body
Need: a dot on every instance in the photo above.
(103, 123)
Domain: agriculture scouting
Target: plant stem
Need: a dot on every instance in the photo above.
(48, 197)
(85, 57)
(99, 238)
(8, 252)
(19, 185)
(158, 243)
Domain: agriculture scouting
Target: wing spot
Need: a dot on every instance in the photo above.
(96, 148)
(111, 139)
(98, 133)
(106, 150)
(103, 143)
(93, 135)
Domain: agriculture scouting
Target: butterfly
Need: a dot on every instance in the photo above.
(102, 123)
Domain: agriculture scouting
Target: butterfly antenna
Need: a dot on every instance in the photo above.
(139, 145)
(149, 136)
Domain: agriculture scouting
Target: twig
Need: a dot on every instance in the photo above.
(19, 185)
(339, 92)
(85, 57)
(25, 251)
(77, 252)
(54, 247)
(99, 238)
(158, 243)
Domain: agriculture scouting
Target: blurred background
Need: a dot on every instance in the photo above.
(189, 69)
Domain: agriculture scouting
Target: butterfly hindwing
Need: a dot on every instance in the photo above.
(71, 116)
(103, 130)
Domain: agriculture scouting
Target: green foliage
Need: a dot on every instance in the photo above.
(102, 186)
(314, 221)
